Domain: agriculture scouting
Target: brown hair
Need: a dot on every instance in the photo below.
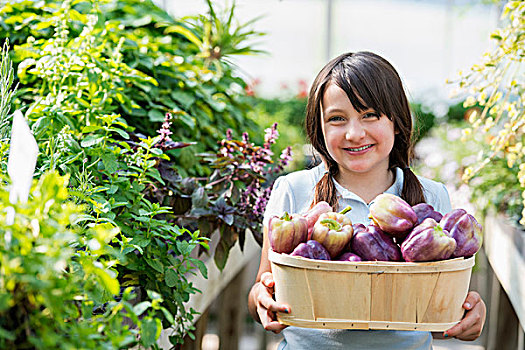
(369, 81)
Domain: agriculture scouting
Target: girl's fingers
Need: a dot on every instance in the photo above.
(267, 280)
(471, 325)
(267, 306)
(472, 299)
(268, 316)
(272, 324)
(267, 302)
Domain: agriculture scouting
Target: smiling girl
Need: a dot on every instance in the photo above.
(358, 119)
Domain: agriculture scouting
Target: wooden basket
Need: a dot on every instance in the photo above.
(371, 294)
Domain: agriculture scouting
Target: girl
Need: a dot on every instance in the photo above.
(358, 119)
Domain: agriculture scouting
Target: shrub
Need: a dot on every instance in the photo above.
(55, 278)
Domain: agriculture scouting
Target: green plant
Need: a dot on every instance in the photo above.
(99, 77)
(58, 282)
(6, 91)
(164, 69)
(424, 120)
(496, 84)
(222, 36)
(76, 85)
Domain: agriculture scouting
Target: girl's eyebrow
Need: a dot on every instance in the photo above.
(333, 110)
(340, 110)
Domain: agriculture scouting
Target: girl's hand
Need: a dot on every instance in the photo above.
(267, 306)
(470, 327)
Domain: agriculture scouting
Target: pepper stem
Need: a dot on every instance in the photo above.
(439, 230)
(345, 210)
(331, 224)
(286, 216)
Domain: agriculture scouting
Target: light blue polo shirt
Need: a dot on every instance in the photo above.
(294, 193)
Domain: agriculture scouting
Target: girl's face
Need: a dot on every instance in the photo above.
(360, 142)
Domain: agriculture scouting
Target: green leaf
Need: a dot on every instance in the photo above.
(171, 277)
(186, 33)
(155, 263)
(140, 241)
(155, 115)
(150, 329)
(112, 190)
(121, 132)
(199, 198)
(83, 102)
(201, 266)
(6, 334)
(168, 315)
(222, 251)
(110, 162)
(187, 120)
(109, 283)
(184, 247)
(184, 98)
(141, 307)
(154, 173)
(90, 128)
(91, 140)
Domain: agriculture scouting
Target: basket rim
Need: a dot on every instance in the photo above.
(372, 266)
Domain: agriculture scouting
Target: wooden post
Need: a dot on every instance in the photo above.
(231, 309)
(503, 325)
(200, 330)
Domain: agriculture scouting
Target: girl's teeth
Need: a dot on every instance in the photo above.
(359, 149)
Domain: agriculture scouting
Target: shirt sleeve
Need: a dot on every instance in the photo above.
(281, 200)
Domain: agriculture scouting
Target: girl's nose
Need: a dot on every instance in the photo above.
(355, 132)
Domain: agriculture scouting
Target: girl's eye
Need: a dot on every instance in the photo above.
(372, 115)
(335, 118)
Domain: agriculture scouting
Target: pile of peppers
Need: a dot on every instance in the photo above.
(396, 232)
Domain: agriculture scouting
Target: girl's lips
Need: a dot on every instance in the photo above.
(358, 150)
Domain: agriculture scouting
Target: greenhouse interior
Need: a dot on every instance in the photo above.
(262, 174)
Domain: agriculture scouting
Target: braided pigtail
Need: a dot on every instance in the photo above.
(412, 191)
(325, 189)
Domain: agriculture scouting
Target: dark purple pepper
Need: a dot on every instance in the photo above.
(311, 250)
(373, 244)
(464, 228)
(348, 256)
(425, 210)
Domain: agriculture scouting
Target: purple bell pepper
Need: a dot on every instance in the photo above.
(373, 244)
(428, 242)
(311, 250)
(464, 228)
(425, 210)
(285, 233)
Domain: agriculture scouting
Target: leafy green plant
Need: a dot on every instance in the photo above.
(424, 120)
(6, 91)
(58, 283)
(222, 36)
(99, 78)
(497, 85)
(75, 83)
(164, 69)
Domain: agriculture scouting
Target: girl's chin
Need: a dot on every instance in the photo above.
(358, 168)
